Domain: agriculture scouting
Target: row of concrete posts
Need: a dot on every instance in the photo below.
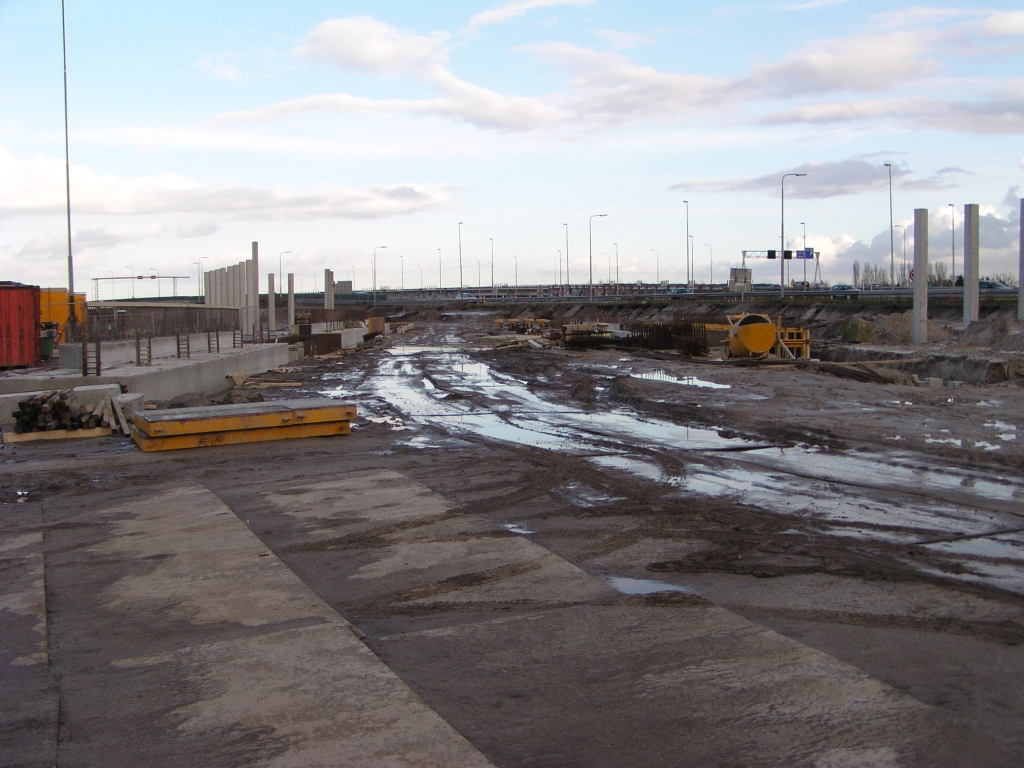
(238, 286)
(971, 260)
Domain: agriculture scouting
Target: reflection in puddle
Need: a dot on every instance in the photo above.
(629, 586)
(513, 528)
(893, 498)
(688, 381)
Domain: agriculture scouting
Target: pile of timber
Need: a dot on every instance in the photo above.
(207, 426)
(57, 415)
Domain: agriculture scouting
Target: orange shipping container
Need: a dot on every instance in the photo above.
(19, 325)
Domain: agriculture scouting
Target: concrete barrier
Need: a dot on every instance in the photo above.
(123, 352)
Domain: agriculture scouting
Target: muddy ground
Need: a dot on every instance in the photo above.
(873, 527)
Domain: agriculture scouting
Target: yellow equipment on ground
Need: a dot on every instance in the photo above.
(53, 308)
(755, 335)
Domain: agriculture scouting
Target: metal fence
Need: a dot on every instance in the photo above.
(125, 322)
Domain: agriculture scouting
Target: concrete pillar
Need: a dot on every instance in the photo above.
(271, 304)
(254, 291)
(920, 327)
(971, 255)
(328, 289)
(1020, 265)
(206, 288)
(231, 288)
(291, 301)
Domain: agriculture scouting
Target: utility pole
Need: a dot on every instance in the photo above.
(689, 270)
(67, 174)
(892, 242)
(460, 257)
(492, 266)
(568, 283)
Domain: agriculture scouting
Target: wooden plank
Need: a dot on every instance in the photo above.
(194, 421)
(121, 420)
(56, 434)
(236, 437)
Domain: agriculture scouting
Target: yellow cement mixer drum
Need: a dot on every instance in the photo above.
(752, 335)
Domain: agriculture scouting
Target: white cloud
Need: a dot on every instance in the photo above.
(608, 88)
(623, 40)
(364, 43)
(35, 186)
(824, 179)
(857, 63)
(514, 10)
(99, 238)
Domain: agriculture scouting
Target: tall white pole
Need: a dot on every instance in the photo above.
(1020, 264)
(892, 242)
(920, 315)
(67, 174)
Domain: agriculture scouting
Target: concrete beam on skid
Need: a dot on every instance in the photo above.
(920, 314)
(971, 257)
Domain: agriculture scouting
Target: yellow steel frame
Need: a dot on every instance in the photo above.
(231, 423)
(237, 437)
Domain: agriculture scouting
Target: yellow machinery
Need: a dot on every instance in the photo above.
(750, 335)
(53, 308)
(755, 335)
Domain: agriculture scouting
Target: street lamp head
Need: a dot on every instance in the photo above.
(887, 165)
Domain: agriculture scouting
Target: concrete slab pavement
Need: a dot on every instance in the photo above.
(182, 640)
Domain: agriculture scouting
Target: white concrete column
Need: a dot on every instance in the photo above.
(971, 255)
(328, 289)
(1020, 265)
(231, 287)
(291, 301)
(271, 308)
(920, 327)
(254, 290)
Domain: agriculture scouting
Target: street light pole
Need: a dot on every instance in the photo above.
(460, 257)
(515, 260)
(157, 281)
(711, 258)
(591, 225)
(689, 271)
(67, 176)
(901, 226)
(375, 249)
(782, 236)
(401, 267)
(492, 266)
(892, 243)
(657, 269)
(616, 269)
(440, 281)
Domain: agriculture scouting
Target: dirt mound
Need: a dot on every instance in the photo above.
(1000, 330)
(897, 328)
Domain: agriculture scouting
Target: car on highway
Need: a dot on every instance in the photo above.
(995, 286)
(844, 291)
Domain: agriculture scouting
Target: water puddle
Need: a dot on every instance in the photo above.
(513, 528)
(897, 498)
(687, 381)
(1007, 432)
(629, 586)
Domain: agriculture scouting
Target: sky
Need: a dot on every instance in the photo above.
(323, 130)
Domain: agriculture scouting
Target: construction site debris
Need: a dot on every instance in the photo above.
(57, 414)
(242, 423)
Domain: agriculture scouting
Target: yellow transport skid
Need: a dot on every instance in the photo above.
(253, 416)
(235, 437)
